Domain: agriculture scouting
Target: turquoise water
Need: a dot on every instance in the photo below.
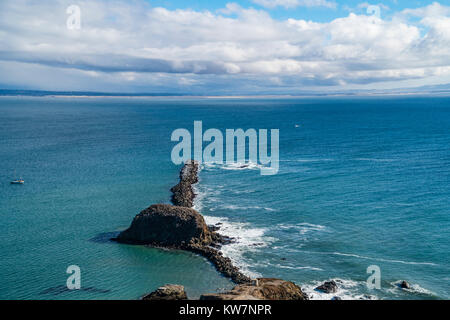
(362, 181)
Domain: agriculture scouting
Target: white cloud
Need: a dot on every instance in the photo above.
(433, 10)
(131, 46)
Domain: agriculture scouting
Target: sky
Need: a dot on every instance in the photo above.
(223, 47)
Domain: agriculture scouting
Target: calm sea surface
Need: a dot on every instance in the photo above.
(362, 181)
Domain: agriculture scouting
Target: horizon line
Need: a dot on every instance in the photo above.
(100, 94)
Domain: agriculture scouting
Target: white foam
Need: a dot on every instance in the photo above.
(375, 259)
(307, 160)
(376, 160)
(383, 260)
(233, 166)
(199, 196)
(347, 290)
(297, 267)
(234, 207)
(303, 227)
(247, 239)
(304, 230)
(414, 288)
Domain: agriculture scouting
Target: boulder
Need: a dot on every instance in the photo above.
(168, 226)
(261, 289)
(328, 287)
(167, 292)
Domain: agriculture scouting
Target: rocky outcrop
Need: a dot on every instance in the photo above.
(164, 225)
(169, 226)
(181, 227)
(167, 292)
(261, 289)
(328, 287)
(183, 193)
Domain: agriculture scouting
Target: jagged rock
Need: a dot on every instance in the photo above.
(404, 285)
(183, 193)
(261, 289)
(328, 287)
(167, 292)
(167, 225)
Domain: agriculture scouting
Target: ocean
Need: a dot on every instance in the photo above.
(362, 181)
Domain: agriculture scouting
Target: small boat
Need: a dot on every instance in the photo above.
(17, 181)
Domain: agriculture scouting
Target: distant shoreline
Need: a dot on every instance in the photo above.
(175, 96)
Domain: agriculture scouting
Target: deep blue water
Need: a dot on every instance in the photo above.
(362, 181)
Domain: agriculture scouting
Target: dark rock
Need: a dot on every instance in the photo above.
(261, 289)
(328, 287)
(167, 225)
(336, 298)
(167, 292)
(183, 193)
(404, 285)
(257, 244)
(222, 240)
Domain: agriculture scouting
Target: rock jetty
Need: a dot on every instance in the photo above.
(179, 226)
